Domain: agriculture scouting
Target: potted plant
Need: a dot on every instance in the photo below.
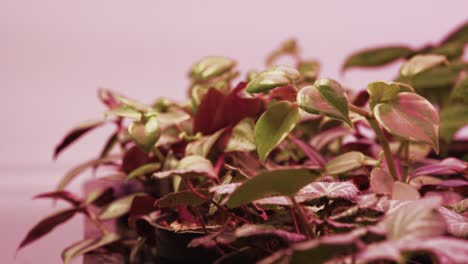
(282, 167)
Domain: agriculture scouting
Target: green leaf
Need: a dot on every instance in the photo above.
(460, 35)
(86, 246)
(345, 162)
(144, 169)
(273, 126)
(438, 77)
(124, 111)
(210, 67)
(309, 69)
(460, 92)
(421, 63)
(182, 198)
(381, 92)
(190, 166)
(118, 207)
(326, 96)
(134, 104)
(412, 117)
(450, 50)
(242, 137)
(452, 118)
(272, 77)
(203, 145)
(286, 182)
(376, 57)
(145, 134)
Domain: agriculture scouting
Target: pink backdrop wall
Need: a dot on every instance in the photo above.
(55, 54)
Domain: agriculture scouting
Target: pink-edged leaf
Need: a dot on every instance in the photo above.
(404, 191)
(210, 67)
(275, 200)
(88, 245)
(287, 93)
(381, 181)
(203, 145)
(63, 195)
(225, 188)
(323, 138)
(412, 117)
(447, 250)
(457, 224)
(330, 190)
(75, 134)
(190, 166)
(380, 251)
(314, 156)
(414, 220)
(421, 63)
(47, 224)
(446, 167)
(250, 230)
(109, 98)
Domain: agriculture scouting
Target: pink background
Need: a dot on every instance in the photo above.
(55, 54)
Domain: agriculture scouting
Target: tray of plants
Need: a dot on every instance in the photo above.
(281, 166)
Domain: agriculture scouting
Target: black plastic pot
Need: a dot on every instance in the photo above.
(172, 247)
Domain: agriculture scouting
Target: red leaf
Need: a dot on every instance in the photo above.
(108, 98)
(64, 195)
(284, 93)
(75, 134)
(46, 225)
(217, 111)
(134, 158)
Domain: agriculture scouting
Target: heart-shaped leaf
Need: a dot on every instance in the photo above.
(403, 191)
(88, 245)
(345, 162)
(410, 116)
(118, 207)
(145, 134)
(272, 77)
(381, 181)
(381, 92)
(210, 67)
(278, 182)
(376, 57)
(47, 224)
(421, 63)
(75, 134)
(242, 137)
(326, 96)
(190, 166)
(330, 190)
(273, 126)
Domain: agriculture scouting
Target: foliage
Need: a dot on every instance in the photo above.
(286, 167)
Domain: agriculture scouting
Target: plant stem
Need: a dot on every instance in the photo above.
(302, 219)
(359, 110)
(385, 147)
(405, 158)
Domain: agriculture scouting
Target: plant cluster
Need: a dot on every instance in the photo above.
(285, 166)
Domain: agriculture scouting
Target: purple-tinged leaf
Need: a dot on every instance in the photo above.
(75, 134)
(225, 188)
(118, 207)
(285, 93)
(63, 195)
(314, 156)
(415, 220)
(457, 224)
(250, 230)
(404, 191)
(381, 181)
(212, 239)
(47, 224)
(330, 190)
(182, 198)
(446, 167)
(447, 250)
(380, 251)
(190, 166)
(100, 197)
(323, 138)
(88, 245)
(109, 98)
(271, 183)
(134, 158)
(412, 117)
